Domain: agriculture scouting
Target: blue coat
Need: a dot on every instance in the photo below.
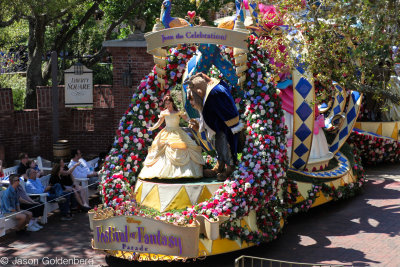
(220, 114)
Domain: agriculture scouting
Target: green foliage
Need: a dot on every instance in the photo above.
(17, 83)
(102, 74)
(346, 41)
(15, 35)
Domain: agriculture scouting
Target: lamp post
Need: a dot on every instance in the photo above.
(78, 68)
(127, 77)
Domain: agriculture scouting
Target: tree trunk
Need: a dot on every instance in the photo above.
(37, 28)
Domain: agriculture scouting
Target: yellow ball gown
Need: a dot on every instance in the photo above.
(173, 154)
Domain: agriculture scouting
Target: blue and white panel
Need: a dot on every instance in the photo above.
(338, 105)
(351, 117)
(303, 118)
(342, 168)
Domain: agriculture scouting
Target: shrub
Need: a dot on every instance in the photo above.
(17, 83)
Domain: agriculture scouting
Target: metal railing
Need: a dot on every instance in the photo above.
(250, 261)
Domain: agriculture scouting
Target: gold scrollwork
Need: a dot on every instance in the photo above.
(103, 214)
(141, 257)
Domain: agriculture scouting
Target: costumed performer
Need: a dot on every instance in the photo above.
(173, 154)
(219, 117)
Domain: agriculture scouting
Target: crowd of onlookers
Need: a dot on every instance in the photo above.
(22, 200)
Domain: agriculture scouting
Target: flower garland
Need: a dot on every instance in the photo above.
(375, 149)
(116, 190)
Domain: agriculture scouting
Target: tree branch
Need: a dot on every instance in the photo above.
(14, 18)
(97, 56)
(65, 35)
(67, 10)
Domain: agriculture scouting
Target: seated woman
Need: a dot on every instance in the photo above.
(64, 177)
(68, 181)
(173, 154)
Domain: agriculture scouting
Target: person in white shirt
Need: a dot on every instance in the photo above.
(82, 170)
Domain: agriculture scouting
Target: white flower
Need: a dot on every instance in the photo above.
(140, 134)
(263, 112)
(251, 92)
(125, 146)
(247, 186)
(146, 136)
(144, 123)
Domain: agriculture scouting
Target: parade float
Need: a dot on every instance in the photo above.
(284, 165)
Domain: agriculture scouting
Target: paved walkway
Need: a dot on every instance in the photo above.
(363, 231)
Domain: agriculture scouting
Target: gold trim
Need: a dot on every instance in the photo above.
(232, 122)
(210, 86)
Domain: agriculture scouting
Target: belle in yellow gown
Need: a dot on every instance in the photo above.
(173, 154)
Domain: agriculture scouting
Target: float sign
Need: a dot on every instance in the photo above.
(78, 87)
(145, 235)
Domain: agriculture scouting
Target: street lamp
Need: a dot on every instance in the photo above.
(78, 68)
(127, 77)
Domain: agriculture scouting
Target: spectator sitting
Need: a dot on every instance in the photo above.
(32, 164)
(61, 176)
(27, 203)
(54, 192)
(23, 165)
(9, 204)
(82, 170)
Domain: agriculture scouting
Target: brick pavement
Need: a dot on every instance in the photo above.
(363, 231)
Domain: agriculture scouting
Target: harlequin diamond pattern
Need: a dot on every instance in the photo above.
(300, 68)
(355, 95)
(336, 110)
(303, 132)
(304, 111)
(340, 98)
(303, 87)
(299, 163)
(334, 147)
(301, 150)
(340, 89)
(342, 168)
(351, 115)
(343, 133)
